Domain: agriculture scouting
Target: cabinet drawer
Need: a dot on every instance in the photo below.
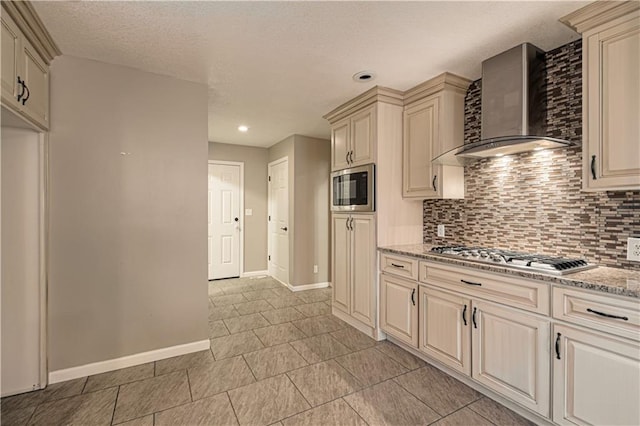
(517, 292)
(612, 315)
(399, 265)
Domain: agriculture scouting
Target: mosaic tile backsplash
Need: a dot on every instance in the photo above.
(533, 202)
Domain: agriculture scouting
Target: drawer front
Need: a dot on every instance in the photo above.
(516, 292)
(400, 266)
(605, 313)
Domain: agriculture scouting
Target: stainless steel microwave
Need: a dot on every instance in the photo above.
(352, 190)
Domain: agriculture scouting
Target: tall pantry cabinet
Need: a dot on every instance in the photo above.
(366, 130)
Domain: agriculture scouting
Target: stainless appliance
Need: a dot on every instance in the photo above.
(531, 262)
(513, 108)
(352, 190)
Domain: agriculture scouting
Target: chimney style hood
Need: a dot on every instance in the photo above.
(513, 108)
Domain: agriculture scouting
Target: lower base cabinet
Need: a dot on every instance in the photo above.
(596, 378)
(399, 308)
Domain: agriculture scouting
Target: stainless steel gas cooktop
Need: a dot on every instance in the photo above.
(512, 259)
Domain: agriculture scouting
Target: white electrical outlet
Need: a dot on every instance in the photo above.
(440, 230)
(315, 269)
(633, 249)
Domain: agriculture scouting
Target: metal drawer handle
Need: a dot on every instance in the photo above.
(593, 167)
(395, 265)
(558, 346)
(435, 179)
(413, 294)
(470, 282)
(602, 314)
(346, 157)
(464, 315)
(351, 157)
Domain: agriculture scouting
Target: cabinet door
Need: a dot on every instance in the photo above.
(363, 136)
(363, 255)
(596, 380)
(340, 262)
(11, 64)
(420, 178)
(511, 354)
(340, 142)
(398, 308)
(445, 328)
(612, 91)
(36, 75)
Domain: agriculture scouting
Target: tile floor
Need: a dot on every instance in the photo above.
(276, 357)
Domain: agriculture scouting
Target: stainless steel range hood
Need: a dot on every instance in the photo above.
(513, 108)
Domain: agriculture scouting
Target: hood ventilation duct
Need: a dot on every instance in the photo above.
(513, 108)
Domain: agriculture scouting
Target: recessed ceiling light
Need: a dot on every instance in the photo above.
(364, 76)
(243, 128)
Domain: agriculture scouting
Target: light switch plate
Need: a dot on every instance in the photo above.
(633, 249)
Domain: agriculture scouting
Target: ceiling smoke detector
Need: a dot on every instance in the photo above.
(364, 76)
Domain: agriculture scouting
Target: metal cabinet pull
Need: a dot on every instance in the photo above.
(433, 183)
(593, 167)
(346, 224)
(558, 346)
(21, 83)
(346, 157)
(395, 265)
(464, 315)
(602, 314)
(473, 318)
(284, 228)
(413, 294)
(24, 100)
(351, 224)
(470, 283)
(351, 156)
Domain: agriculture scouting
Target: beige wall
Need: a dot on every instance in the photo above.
(255, 198)
(309, 166)
(128, 245)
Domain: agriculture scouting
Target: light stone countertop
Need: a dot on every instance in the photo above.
(622, 282)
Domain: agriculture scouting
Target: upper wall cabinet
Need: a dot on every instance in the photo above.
(611, 94)
(433, 125)
(27, 50)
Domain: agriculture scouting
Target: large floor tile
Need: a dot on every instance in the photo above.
(283, 292)
(320, 383)
(94, 408)
(235, 344)
(314, 309)
(253, 307)
(245, 322)
(259, 294)
(278, 334)
(389, 404)
(267, 401)
(283, 302)
(229, 299)
(32, 399)
(499, 414)
(238, 289)
(138, 399)
(16, 416)
(319, 348)
(140, 421)
(217, 329)
(266, 283)
(219, 376)
(312, 296)
(222, 312)
(215, 291)
(274, 361)
(336, 412)
(353, 339)
(119, 377)
(183, 362)
(443, 393)
(216, 410)
(319, 325)
(370, 366)
(464, 417)
(400, 355)
(280, 316)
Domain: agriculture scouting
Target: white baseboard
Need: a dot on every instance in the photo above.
(126, 361)
(254, 274)
(308, 286)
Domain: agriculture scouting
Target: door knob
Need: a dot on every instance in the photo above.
(236, 219)
(284, 229)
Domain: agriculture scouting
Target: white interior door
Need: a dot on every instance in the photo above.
(224, 220)
(279, 220)
(22, 284)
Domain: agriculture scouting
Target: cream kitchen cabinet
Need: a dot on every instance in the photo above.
(399, 309)
(353, 140)
(433, 124)
(353, 271)
(611, 94)
(25, 74)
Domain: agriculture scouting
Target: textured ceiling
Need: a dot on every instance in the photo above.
(279, 66)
